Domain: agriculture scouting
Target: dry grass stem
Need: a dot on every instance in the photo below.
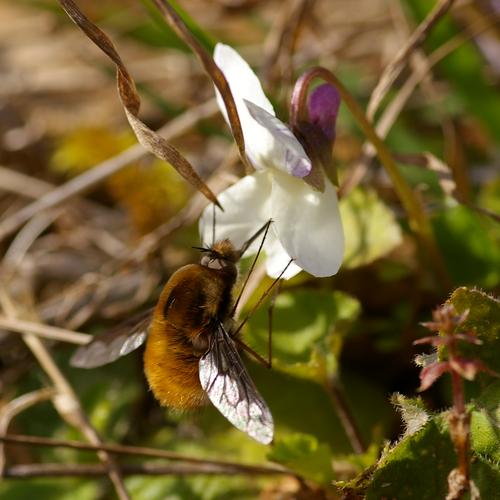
(139, 451)
(65, 401)
(394, 68)
(13, 408)
(44, 331)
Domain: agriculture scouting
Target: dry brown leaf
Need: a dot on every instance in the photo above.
(131, 103)
(211, 68)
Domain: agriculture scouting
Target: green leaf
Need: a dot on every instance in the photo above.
(486, 477)
(470, 246)
(305, 455)
(485, 423)
(416, 468)
(412, 411)
(308, 326)
(483, 319)
(371, 230)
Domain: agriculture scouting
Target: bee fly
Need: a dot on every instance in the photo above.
(191, 352)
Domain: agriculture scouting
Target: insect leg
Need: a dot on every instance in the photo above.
(213, 224)
(265, 228)
(259, 302)
(270, 324)
(252, 353)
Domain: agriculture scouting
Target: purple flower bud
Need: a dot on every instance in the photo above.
(323, 107)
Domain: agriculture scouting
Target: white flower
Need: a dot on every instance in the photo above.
(306, 223)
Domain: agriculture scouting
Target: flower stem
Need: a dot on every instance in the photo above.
(417, 218)
(459, 421)
(345, 415)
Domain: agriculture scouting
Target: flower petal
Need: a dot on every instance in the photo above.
(247, 207)
(323, 106)
(308, 224)
(277, 259)
(244, 84)
(241, 78)
(285, 152)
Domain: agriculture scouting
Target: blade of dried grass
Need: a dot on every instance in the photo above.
(66, 401)
(145, 469)
(282, 38)
(177, 24)
(394, 68)
(149, 139)
(44, 331)
(13, 408)
(137, 451)
(395, 107)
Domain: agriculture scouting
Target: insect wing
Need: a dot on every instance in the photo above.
(114, 343)
(224, 378)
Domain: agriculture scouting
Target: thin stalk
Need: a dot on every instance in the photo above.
(136, 451)
(459, 420)
(345, 415)
(144, 469)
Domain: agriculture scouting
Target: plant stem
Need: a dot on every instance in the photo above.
(459, 421)
(136, 451)
(345, 415)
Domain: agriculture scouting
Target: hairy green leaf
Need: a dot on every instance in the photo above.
(483, 319)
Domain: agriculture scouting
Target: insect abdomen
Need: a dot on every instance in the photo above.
(172, 371)
(193, 301)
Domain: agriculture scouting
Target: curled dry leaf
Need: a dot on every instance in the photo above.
(131, 103)
(213, 71)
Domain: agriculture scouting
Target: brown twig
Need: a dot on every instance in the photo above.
(282, 38)
(139, 451)
(66, 401)
(145, 469)
(44, 331)
(13, 408)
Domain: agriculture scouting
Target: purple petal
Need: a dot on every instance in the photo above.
(323, 107)
(297, 166)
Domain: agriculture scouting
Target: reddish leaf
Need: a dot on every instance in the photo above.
(468, 337)
(469, 368)
(433, 341)
(431, 373)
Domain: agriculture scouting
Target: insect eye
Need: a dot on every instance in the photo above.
(213, 262)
